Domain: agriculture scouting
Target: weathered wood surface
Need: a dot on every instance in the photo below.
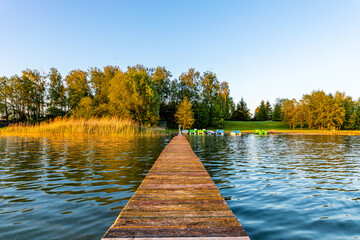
(177, 199)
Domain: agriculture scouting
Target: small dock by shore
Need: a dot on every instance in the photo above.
(177, 199)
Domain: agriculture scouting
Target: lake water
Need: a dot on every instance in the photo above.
(279, 187)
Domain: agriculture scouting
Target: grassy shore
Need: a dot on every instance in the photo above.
(252, 125)
(279, 128)
(94, 126)
(315, 132)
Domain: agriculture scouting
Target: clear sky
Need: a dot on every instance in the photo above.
(264, 49)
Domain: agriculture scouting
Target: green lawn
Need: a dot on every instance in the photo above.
(249, 125)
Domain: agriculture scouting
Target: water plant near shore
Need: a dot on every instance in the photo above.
(105, 126)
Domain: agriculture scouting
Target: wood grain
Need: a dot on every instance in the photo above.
(177, 200)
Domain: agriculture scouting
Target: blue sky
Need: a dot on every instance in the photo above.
(264, 49)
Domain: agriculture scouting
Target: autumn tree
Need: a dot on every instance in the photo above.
(84, 109)
(324, 111)
(300, 114)
(337, 111)
(119, 96)
(184, 114)
(289, 112)
(309, 108)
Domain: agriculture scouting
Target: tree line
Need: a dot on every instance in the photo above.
(264, 112)
(150, 95)
(143, 94)
(322, 111)
(316, 110)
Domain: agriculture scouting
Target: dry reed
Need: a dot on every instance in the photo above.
(105, 126)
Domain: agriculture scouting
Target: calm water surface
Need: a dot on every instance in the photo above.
(279, 187)
(69, 188)
(288, 187)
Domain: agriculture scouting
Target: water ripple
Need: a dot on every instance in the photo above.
(69, 188)
(288, 187)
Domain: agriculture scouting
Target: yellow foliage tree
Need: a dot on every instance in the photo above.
(289, 111)
(184, 115)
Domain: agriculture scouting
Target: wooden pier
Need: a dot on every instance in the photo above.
(177, 200)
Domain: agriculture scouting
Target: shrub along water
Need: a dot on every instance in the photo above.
(106, 126)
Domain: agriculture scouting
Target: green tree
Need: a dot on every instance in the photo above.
(213, 103)
(347, 116)
(57, 90)
(216, 114)
(161, 78)
(277, 113)
(225, 101)
(14, 97)
(189, 85)
(77, 87)
(268, 110)
(357, 115)
(184, 114)
(33, 93)
(4, 93)
(133, 94)
(262, 112)
(100, 82)
(242, 112)
(139, 93)
(145, 101)
(202, 114)
(337, 111)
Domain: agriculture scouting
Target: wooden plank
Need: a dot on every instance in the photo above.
(185, 238)
(174, 214)
(177, 200)
(228, 231)
(178, 222)
(163, 202)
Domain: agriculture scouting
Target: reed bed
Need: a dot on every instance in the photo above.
(74, 126)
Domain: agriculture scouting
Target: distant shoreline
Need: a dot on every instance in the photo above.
(280, 128)
(307, 132)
